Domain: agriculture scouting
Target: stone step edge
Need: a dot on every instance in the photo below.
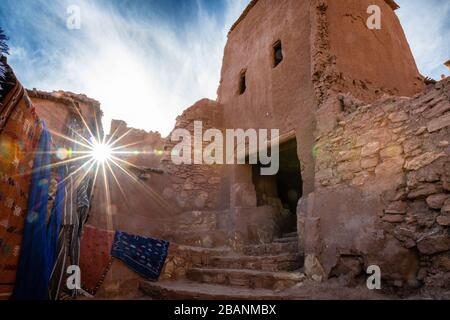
(279, 275)
(183, 289)
(290, 235)
(288, 256)
(286, 240)
(198, 249)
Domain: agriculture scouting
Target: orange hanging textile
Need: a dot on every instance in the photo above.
(20, 129)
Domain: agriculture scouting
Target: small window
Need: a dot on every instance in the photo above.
(242, 82)
(277, 54)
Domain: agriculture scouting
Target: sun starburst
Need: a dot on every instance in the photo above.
(97, 155)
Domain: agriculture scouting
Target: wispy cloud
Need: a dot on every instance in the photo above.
(146, 68)
(142, 68)
(427, 27)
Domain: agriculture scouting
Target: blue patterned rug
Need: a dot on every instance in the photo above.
(144, 255)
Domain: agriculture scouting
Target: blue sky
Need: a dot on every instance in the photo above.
(148, 60)
(427, 27)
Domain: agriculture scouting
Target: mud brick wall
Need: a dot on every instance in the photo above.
(391, 162)
(192, 186)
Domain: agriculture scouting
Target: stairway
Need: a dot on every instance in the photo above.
(260, 272)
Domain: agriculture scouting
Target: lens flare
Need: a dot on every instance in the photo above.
(101, 152)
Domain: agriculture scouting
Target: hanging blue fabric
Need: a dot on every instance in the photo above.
(34, 265)
(54, 225)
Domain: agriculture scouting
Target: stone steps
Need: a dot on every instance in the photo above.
(281, 262)
(220, 251)
(286, 240)
(271, 249)
(188, 290)
(290, 235)
(204, 239)
(251, 279)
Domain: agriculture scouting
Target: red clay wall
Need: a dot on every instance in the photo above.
(364, 62)
(281, 97)
(56, 116)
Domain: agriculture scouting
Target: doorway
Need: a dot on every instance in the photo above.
(283, 190)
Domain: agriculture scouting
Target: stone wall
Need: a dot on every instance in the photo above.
(121, 282)
(382, 189)
(194, 186)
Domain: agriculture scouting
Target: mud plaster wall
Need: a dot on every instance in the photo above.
(390, 161)
(58, 108)
(370, 62)
(349, 58)
(89, 108)
(55, 115)
(280, 97)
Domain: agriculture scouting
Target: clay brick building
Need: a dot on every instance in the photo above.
(364, 161)
(59, 109)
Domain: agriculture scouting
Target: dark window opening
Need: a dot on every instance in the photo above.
(242, 82)
(277, 54)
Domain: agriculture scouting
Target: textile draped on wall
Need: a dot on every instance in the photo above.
(20, 130)
(57, 211)
(82, 209)
(95, 257)
(34, 267)
(76, 208)
(144, 255)
(40, 222)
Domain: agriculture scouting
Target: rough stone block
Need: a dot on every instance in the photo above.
(437, 110)
(313, 268)
(393, 218)
(446, 207)
(436, 201)
(424, 190)
(423, 160)
(439, 123)
(411, 145)
(434, 244)
(397, 207)
(391, 151)
(398, 116)
(390, 167)
(370, 149)
(368, 163)
(349, 167)
(349, 155)
(443, 220)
